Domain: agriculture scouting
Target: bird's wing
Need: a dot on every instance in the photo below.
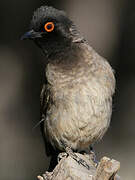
(44, 103)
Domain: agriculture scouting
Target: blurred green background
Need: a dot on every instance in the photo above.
(109, 27)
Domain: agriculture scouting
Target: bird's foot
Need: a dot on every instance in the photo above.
(61, 156)
(75, 157)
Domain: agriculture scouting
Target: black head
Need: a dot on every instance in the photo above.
(50, 29)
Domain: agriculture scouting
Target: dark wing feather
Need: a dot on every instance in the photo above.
(44, 100)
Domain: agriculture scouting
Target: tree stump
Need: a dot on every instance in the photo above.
(70, 169)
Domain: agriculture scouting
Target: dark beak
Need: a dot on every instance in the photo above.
(31, 35)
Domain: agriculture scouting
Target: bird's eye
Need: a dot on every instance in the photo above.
(49, 26)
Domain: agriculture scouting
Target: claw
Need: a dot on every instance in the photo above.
(61, 156)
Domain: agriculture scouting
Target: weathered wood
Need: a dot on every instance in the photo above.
(107, 169)
(69, 169)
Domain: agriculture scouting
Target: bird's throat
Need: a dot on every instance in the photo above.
(54, 48)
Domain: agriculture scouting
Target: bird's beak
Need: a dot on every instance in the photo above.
(31, 35)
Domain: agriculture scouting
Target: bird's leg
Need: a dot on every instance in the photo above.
(70, 152)
(93, 156)
(75, 157)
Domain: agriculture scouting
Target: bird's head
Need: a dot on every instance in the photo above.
(51, 30)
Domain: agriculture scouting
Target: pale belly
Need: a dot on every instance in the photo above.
(78, 117)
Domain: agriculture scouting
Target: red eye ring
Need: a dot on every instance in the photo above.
(49, 27)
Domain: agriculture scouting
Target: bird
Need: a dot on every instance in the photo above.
(77, 87)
